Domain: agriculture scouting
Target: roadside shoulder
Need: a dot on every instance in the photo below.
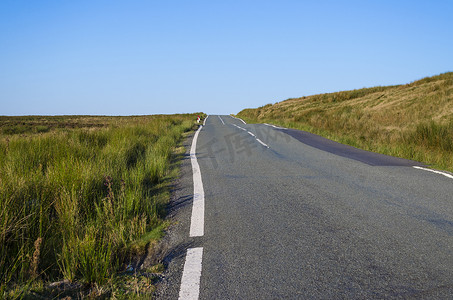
(172, 248)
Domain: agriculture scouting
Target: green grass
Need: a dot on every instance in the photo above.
(413, 121)
(78, 192)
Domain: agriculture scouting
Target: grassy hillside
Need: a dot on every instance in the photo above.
(413, 121)
(79, 195)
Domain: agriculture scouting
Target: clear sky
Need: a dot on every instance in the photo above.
(107, 57)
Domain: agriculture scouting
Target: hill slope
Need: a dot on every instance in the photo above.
(413, 121)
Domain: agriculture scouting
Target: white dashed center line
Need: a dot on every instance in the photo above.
(257, 139)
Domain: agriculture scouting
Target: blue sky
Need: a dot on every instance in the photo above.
(151, 57)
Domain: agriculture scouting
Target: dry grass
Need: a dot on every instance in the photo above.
(413, 121)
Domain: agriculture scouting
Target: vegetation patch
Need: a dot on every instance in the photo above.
(413, 121)
(79, 200)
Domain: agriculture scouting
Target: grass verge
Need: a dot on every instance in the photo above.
(80, 198)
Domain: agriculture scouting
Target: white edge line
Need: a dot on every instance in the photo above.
(190, 281)
(434, 171)
(274, 126)
(204, 122)
(197, 219)
(221, 120)
(239, 119)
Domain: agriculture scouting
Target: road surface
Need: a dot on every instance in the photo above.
(289, 215)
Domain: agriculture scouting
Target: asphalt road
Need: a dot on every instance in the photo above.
(289, 215)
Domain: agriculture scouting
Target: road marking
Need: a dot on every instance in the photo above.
(274, 126)
(434, 171)
(261, 142)
(204, 122)
(257, 139)
(239, 127)
(239, 119)
(221, 120)
(190, 282)
(197, 220)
